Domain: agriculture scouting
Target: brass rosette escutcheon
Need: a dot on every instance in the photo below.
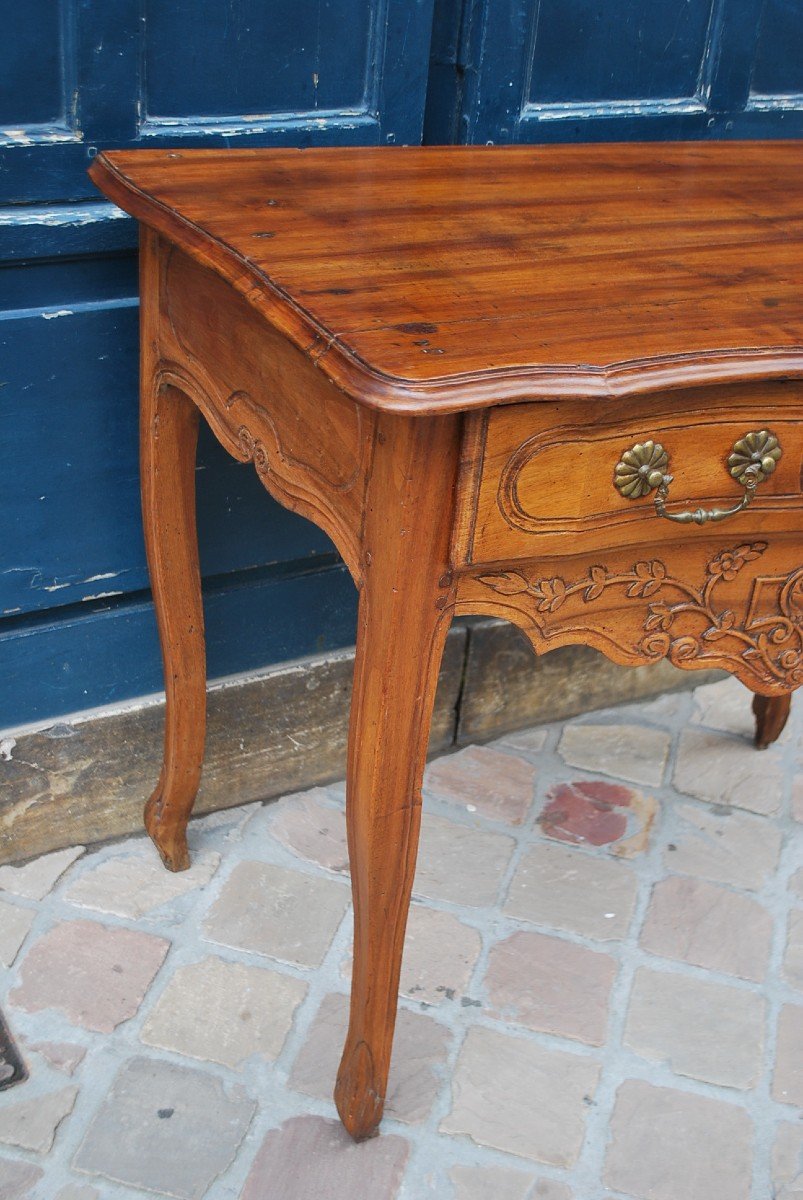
(757, 452)
(643, 469)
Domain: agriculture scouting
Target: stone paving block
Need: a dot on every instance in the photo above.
(586, 811)
(498, 785)
(567, 889)
(283, 914)
(697, 922)
(797, 798)
(501, 1183)
(787, 1082)
(596, 813)
(18, 1179)
(700, 1028)
(233, 820)
(663, 710)
(420, 1047)
(725, 706)
(64, 1056)
(787, 1162)
(796, 882)
(35, 879)
(439, 955)
(515, 1095)
(79, 1191)
(313, 829)
(224, 1012)
(550, 1189)
(96, 975)
(460, 864)
(31, 1123)
(15, 925)
(551, 985)
(725, 846)
(793, 958)
(722, 770)
(532, 741)
(491, 1183)
(135, 883)
(672, 1145)
(632, 752)
(165, 1129)
(310, 1158)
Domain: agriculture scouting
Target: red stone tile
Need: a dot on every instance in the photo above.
(586, 811)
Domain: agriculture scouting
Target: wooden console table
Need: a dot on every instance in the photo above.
(562, 385)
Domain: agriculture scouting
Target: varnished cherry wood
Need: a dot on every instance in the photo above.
(404, 616)
(771, 713)
(168, 437)
(442, 279)
(439, 356)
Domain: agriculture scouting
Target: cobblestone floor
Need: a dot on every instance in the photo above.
(602, 990)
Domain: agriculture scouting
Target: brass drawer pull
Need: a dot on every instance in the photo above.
(642, 470)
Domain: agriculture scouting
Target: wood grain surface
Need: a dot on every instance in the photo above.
(444, 278)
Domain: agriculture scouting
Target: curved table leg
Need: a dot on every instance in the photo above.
(771, 713)
(169, 433)
(405, 610)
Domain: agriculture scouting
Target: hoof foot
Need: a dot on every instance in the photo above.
(170, 842)
(358, 1102)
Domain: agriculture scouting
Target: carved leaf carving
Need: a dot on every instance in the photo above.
(507, 583)
(682, 619)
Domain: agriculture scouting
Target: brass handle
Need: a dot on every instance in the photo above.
(643, 469)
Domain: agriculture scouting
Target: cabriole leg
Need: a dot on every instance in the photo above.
(771, 713)
(169, 438)
(405, 609)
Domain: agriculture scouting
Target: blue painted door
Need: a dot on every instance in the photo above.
(76, 625)
(590, 70)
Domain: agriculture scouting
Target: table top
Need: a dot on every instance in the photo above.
(448, 278)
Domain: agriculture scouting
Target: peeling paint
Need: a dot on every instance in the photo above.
(6, 746)
(257, 123)
(62, 217)
(104, 575)
(17, 135)
(36, 136)
(102, 595)
(60, 312)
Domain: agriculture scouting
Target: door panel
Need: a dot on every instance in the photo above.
(623, 51)
(578, 70)
(80, 75)
(779, 53)
(37, 97)
(277, 71)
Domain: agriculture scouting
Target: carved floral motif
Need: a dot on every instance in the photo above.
(683, 621)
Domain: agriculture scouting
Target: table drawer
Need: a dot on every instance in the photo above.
(541, 479)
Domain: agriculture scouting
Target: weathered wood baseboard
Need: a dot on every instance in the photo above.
(86, 780)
